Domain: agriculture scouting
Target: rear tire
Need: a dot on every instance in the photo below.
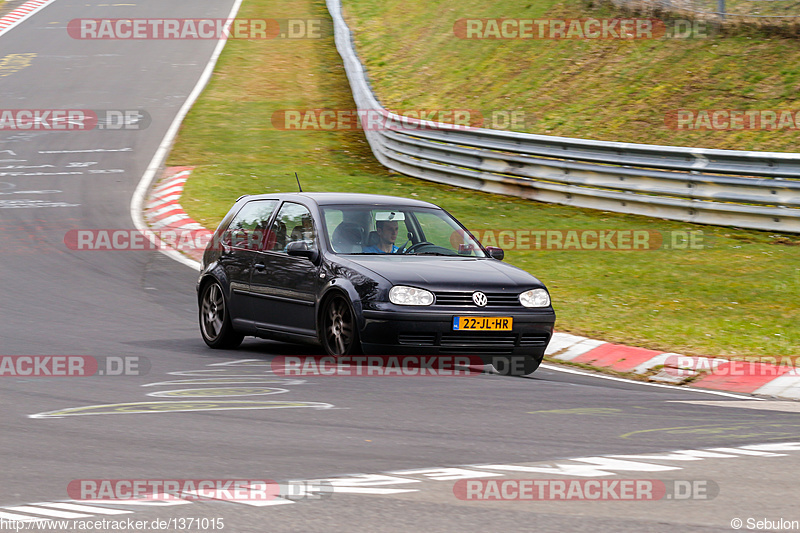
(215, 320)
(516, 365)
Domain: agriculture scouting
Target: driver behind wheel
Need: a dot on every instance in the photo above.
(385, 235)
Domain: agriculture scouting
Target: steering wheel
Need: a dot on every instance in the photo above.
(420, 244)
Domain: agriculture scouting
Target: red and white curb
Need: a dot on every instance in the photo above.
(753, 377)
(21, 13)
(164, 212)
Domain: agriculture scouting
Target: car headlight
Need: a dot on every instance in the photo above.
(402, 295)
(535, 298)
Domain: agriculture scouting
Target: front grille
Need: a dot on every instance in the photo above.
(417, 339)
(534, 339)
(491, 341)
(474, 342)
(477, 350)
(464, 299)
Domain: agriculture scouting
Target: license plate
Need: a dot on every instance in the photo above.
(482, 323)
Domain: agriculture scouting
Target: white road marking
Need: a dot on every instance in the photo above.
(86, 151)
(374, 483)
(243, 362)
(165, 501)
(197, 406)
(52, 191)
(765, 405)
(596, 467)
(21, 518)
(47, 512)
(82, 508)
(201, 393)
(559, 368)
(32, 204)
(227, 381)
(446, 474)
(369, 490)
(775, 447)
(682, 455)
(266, 503)
(222, 373)
(367, 480)
(748, 452)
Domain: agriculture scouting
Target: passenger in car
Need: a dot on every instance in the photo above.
(304, 231)
(347, 238)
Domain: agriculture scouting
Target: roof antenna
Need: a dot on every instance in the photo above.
(298, 182)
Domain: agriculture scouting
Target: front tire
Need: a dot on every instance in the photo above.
(339, 330)
(516, 365)
(215, 320)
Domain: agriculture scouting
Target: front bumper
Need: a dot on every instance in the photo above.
(430, 332)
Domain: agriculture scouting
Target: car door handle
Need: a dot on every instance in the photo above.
(260, 266)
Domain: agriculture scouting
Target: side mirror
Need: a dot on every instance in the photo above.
(301, 249)
(495, 252)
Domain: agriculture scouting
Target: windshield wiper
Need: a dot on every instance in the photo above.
(434, 253)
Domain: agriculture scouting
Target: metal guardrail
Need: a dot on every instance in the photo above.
(697, 185)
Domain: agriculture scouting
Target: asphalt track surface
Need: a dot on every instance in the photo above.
(57, 301)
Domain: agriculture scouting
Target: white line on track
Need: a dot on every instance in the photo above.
(770, 405)
(139, 194)
(647, 383)
(83, 508)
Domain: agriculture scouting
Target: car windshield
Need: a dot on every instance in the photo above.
(389, 229)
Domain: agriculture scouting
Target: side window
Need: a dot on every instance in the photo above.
(333, 218)
(248, 227)
(293, 223)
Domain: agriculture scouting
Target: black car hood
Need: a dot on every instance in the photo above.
(447, 273)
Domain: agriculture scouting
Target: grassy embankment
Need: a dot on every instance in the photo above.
(609, 89)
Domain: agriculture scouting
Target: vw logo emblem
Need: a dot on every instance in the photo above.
(480, 299)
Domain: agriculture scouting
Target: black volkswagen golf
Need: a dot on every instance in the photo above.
(362, 272)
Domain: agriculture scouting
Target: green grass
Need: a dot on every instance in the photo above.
(599, 89)
(738, 296)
